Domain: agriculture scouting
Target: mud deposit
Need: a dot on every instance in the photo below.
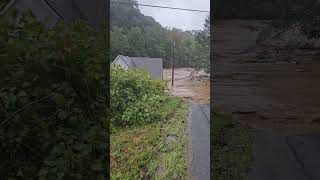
(260, 86)
(188, 87)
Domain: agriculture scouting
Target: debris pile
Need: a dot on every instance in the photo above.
(199, 75)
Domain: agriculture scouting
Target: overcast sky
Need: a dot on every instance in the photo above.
(185, 20)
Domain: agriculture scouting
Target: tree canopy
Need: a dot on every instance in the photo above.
(134, 34)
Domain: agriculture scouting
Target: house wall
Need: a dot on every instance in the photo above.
(120, 62)
(155, 71)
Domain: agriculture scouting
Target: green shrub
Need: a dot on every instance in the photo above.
(135, 97)
(53, 94)
(144, 111)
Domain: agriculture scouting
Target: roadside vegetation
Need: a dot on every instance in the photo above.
(53, 94)
(230, 148)
(148, 128)
(135, 98)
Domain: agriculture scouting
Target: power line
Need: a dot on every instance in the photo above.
(164, 7)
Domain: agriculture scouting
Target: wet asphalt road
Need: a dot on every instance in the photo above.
(199, 138)
(279, 157)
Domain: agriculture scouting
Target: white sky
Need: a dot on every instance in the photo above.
(185, 20)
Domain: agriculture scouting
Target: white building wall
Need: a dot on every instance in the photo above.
(120, 62)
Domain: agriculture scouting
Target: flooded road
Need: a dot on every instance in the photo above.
(194, 87)
(187, 87)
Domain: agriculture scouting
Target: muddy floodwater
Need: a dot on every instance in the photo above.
(186, 86)
(260, 86)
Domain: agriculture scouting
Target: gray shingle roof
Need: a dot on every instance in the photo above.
(65, 9)
(94, 12)
(153, 65)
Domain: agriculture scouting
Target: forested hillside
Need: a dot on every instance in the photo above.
(134, 34)
(258, 9)
(285, 14)
(288, 10)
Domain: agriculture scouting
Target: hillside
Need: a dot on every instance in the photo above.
(134, 34)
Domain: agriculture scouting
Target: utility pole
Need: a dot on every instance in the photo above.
(173, 45)
(161, 55)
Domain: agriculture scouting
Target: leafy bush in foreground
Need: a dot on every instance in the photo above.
(53, 94)
(135, 97)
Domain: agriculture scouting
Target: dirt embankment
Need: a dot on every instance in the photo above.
(266, 87)
(188, 84)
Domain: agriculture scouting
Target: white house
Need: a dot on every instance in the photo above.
(153, 65)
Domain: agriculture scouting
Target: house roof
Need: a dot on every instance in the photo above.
(153, 65)
(51, 11)
(94, 12)
(65, 9)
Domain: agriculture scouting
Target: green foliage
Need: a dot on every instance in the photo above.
(307, 15)
(145, 110)
(53, 120)
(135, 97)
(231, 148)
(285, 14)
(119, 41)
(134, 34)
(173, 162)
(290, 13)
(134, 150)
(144, 153)
(303, 16)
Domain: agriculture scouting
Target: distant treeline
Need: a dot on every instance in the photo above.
(134, 34)
(286, 14)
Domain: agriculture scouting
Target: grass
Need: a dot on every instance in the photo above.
(146, 152)
(230, 149)
(173, 164)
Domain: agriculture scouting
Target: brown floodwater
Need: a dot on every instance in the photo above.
(269, 92)
(186, 87)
